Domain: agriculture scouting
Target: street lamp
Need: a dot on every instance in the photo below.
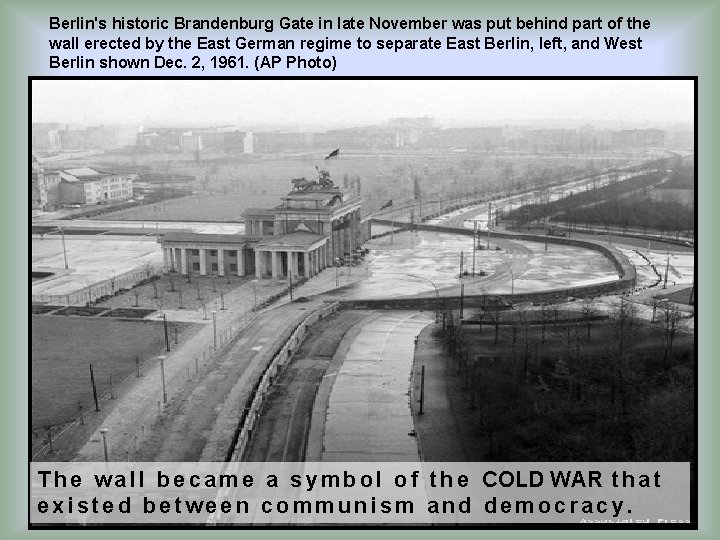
(103, 432)
(162, 376)
(255, 282)
(214, 314)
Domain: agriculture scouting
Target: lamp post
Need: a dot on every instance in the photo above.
(103, 432)
(162, 376)
(214, 314)
(62, 236)
(474, 244)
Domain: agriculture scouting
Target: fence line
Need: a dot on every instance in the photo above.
(108, 287)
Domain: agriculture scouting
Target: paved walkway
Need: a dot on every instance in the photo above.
(436, 428)
(368, 415)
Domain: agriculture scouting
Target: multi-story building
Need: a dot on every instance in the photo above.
(87, 138)
(88, 186)
(226, 139)
(44, 187)
(315, 224)
(45, 138)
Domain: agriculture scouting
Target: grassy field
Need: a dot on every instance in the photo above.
(205, 207)
(62, 348)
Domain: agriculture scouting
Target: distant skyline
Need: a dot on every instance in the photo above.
(312, 104)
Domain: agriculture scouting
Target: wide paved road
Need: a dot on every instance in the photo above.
(368, 414)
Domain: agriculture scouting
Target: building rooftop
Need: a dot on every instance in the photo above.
(83, 171)
(85, 174)
(259, 213)
(204, 238)
(298, 239)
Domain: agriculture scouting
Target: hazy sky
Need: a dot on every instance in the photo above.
(252, 103)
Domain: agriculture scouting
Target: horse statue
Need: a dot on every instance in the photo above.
(324, 178)
(301, 184)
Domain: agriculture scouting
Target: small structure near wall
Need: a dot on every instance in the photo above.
(315, 224)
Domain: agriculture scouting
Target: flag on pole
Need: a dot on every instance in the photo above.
(386, 205)
(335, 153)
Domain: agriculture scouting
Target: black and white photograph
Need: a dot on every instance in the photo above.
(363, 270)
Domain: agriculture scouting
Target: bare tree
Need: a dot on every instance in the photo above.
(556, 313)
(588, 309)
(523, 319)
(672, 318)
(544, 312)
(496, 320)
(626, 319)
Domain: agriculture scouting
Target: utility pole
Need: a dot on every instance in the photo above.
(461, 265)
(162, 376)
(167, 340)
(462, 299)
(214, 314)
(422, 388)
(62, 236)
(92, 381)
(474, 245)
(103, 432)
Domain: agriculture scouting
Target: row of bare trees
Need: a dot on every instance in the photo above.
(556, 368)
